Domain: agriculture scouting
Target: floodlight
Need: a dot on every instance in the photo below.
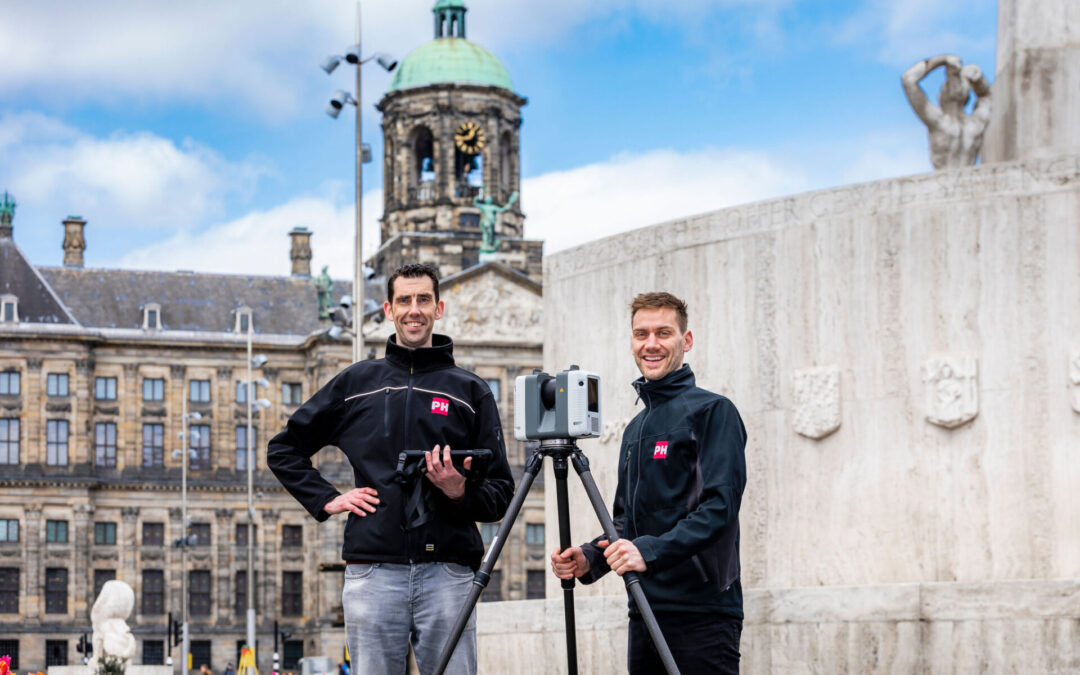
(263, 403)
(259, 361)
(353, 54)
(334, 332)
(330, 63)
(263, 382)
(387, 63)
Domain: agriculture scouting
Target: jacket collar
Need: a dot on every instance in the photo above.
(439, 355)
(671, 385)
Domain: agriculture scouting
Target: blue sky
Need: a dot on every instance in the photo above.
(192, 135)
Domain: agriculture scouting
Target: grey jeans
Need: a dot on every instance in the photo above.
(389, 605)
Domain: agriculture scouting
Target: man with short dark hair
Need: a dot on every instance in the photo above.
(410, 563)
(682, 472)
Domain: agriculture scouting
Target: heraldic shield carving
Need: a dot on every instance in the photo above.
(1074, 379)
(952, 390)
(817, 401)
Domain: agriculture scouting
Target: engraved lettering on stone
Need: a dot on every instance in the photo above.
(1074, 379)
(817, 401)
(951, 390)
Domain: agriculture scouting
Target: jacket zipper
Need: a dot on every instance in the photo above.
(405, 444)
(630, 495)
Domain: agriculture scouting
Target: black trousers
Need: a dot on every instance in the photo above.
(700, 643)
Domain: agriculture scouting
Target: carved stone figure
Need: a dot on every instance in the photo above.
(489, 212)
(325, 287)
(112, 637)
(1074, 378)
(817, 401)
(951, 390)
(955, 137)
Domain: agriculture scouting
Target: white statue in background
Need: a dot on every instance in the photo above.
(112, 637)
(955, 136)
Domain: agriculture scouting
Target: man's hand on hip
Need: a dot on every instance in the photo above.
(569, 564)
(360, 501)
(623, 557)
(443, 475)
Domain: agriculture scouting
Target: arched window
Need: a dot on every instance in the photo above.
(468, 174)
(422, 186)
(506, 169)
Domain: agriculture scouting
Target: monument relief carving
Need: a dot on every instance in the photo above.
(817, 401)
(951, 390)
(491, 307)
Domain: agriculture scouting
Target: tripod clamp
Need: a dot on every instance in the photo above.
(559, 450)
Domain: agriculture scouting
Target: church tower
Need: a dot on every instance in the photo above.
(451, 132)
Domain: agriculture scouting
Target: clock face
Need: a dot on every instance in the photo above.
(469, 138)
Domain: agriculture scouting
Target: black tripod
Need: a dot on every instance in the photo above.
(559, 450)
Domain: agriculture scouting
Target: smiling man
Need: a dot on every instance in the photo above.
(406, 577)
(682, 472)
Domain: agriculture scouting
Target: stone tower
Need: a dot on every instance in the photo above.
(1036, 110)
(451, 130)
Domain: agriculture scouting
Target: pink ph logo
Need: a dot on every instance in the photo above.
(440, 406)
(661, 450)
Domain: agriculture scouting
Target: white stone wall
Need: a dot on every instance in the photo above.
(892, 544)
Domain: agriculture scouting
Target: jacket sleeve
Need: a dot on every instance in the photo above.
(722, 467)
(486, 500)
(312, 427)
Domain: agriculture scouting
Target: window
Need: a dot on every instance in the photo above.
(153, 534)
(200, 447)
(199, 391)
(9, 308)
(199, 589)
(153, 445)
(56, 442)
(200, 653)
(9, 441)
(11, 648)
(493, 385)
(292, 593)
(242, 447)
(56, 531)
(56, 384)
(153, 389)
(56, 652)
(534, 534)
(56, 590)
(291, 393)
(9, 384)
(293, 652)
(153, 652)
(243, 320)
(487, 532)
(292, 536)
(105, 388)
(152, 316)
(9, 531)
(534, 584)
(200, 533)
(9, 594)
(493, 592)
(241, 592)
(241, 391)
(153, 592)
(100, 577)
(105, 534)
(242, 534)
(105, 444)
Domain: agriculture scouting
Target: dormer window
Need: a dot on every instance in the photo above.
(151, 316)
(9, 309)
(243, 320)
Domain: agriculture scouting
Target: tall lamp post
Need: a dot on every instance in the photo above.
(354, 56)
(184, 541)
(252, 362)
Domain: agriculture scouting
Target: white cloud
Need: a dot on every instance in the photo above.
(137, 180)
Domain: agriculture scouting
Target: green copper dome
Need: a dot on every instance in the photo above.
(448, 60)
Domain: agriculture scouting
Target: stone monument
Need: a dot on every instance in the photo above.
(955, 136)
(108, 618)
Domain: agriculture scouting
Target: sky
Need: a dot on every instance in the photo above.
(192, 135)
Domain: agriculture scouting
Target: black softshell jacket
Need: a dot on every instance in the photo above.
(372, 410)
(682, 471)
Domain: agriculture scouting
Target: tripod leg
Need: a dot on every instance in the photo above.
(483, 575)
(632, 580)
(559, 464)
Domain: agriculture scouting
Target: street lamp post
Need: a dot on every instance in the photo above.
(354, 56)
(252, 362)
(185, 643)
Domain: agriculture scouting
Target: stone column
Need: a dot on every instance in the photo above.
(223, 595)
(128, 570)
(74, 241)
(129, 426)
(34, 579)
(300, 251)
(80, 578)
(1036, 106)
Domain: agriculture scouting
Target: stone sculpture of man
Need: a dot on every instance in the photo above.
(324, 285)
(955, 137)
(488, 213)
(112, 637)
